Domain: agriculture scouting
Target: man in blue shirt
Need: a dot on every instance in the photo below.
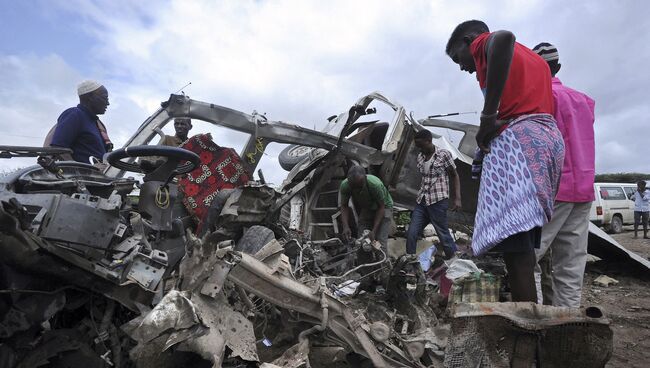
(79, 128)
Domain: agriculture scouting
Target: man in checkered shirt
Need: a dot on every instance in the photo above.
(437, 167)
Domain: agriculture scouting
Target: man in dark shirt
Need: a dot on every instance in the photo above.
(79, 128)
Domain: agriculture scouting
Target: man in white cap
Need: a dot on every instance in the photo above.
(565, 235)
(79, 128)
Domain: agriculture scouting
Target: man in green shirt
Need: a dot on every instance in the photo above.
(372, 202)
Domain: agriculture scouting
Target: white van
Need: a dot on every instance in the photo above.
(613, 208)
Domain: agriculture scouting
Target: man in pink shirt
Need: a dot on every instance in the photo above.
(565, 236)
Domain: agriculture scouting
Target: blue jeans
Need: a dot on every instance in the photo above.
(436, 214)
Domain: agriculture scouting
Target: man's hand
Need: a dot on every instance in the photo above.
(346, 234)
(456, 205)
(486, 133)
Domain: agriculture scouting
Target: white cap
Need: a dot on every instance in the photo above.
(87, 86)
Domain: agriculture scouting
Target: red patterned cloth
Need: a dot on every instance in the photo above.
(219, 168)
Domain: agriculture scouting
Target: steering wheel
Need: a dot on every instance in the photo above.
(171, 153)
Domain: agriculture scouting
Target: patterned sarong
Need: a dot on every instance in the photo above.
(220, 168)
(519, 180)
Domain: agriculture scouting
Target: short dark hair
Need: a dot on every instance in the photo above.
(465, 28)
(423, 134)
(355, 171)
(641, 183)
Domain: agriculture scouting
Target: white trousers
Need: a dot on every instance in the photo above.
(566, 234)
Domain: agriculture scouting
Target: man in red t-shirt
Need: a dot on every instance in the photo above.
(520, 148)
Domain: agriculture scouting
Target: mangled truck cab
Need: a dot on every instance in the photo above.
(195, 264)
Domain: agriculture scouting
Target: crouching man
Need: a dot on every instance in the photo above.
(372, 202)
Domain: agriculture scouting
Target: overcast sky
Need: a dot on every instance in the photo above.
(302, 61)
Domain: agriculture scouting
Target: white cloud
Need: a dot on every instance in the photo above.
(301, 61)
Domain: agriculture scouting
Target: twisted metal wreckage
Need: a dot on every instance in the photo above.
(91, 277)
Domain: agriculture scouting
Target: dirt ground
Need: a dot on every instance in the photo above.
(625, 304)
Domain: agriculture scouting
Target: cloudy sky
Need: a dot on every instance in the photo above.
(302, 61)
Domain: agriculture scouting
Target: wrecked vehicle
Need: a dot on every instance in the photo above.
(93, 277)
(82, 261)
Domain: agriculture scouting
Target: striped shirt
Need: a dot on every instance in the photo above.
(435, 181)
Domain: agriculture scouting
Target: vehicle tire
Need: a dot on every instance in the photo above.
(292, 155)
(254, 239)
(616, 226)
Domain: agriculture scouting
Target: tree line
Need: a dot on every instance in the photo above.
(621, 177)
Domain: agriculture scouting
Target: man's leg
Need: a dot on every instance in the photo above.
(570, 257)
(437, 214)
(561, 212)
(637, 218)
(519, 254)
(644, 217)
(384, 229)
(418, 222)
(546, 265)
(520, 267)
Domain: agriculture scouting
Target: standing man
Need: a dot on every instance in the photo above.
(79, 128)
(520, 148)
(641, 207)
(373, 204)
(436, 166)
(182, 126)
(565, 236)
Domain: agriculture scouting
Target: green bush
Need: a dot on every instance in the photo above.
(402, 217)
(621, 177)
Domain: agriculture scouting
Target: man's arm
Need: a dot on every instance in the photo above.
(377, 195)
(456, 201)
(66, 132)
(499, 50)
(379, 217)
(344, 198)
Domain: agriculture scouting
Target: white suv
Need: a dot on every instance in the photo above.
(612, 207)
